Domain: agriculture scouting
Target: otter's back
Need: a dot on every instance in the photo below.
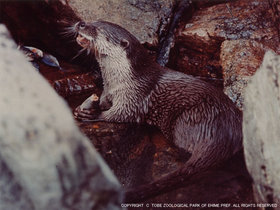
(194, 115)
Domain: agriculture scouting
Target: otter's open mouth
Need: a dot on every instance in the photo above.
(83, 41)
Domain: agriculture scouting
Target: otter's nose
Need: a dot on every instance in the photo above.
(82, 24)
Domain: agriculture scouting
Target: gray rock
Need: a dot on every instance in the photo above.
(143, 18)
(224, 22)
(261, 128)
(240, 59)
(45, 162)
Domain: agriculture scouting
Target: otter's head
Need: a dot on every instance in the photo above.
(110, 41)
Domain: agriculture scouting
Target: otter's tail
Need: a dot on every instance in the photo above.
(173, 180)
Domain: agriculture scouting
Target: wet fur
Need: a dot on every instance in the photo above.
(191, 113)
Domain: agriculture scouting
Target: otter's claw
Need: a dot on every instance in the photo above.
(87, 115)
(88, 110)
(84, 114)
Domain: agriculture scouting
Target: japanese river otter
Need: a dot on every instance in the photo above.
(192, 114)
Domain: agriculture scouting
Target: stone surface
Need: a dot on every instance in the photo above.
(275, 7)
(75, 85)
(47, 22)
(240, 59)
(143, 18)
(235, 20)
(137, 154)
(226, 41)
(45, 162)
(262, 130)
(228, 183)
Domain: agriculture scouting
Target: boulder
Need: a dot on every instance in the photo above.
(143, 18)
(45, 161)
(209, 26)
(262, 130)
(240, 59)
(226, 41)
(47, 24)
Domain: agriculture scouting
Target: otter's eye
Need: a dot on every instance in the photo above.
(82, 25)
(124, 43)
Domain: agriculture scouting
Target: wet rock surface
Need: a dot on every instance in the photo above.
(45, 161)
(261, 130)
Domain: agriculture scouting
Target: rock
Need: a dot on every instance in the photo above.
(262, 130)
(239, 59)
(149, 21)
(45, 162)
(225, 22)
(275, 7)
(228, 183)
(75, 85)
(143, 18)
(126, 148)
(222, 42)
(45, 32)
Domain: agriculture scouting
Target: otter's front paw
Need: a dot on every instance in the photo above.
(88, 110)
(85, 114)
(88, 115)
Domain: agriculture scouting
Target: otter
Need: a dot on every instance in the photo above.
(191, 113)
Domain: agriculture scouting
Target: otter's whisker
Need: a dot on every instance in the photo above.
(88, 51)
(79, 53)
(68, 33)
(96, 52)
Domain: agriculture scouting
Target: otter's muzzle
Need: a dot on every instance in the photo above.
(82, 41)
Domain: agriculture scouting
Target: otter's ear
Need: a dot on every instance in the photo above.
(124, 43)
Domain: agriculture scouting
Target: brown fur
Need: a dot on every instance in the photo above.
(192, 114)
